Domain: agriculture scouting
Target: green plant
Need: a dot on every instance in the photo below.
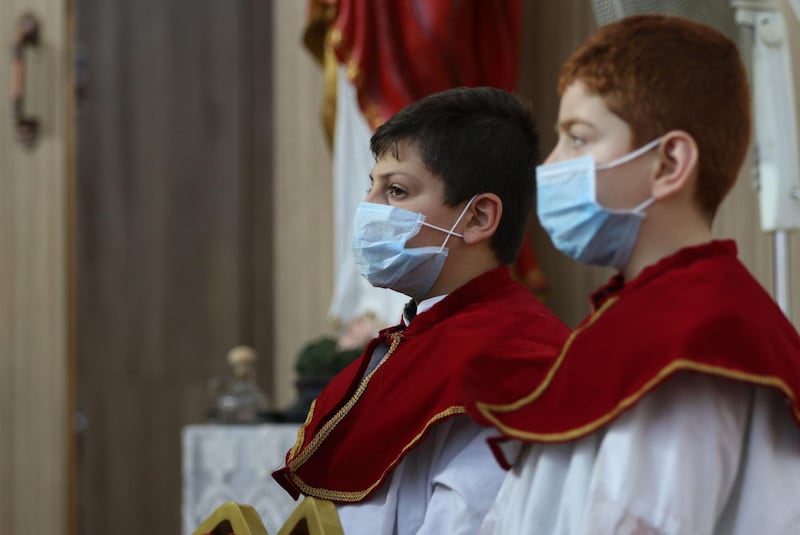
(321, 358)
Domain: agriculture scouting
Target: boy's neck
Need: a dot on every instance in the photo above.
(462, 266)
(664, 232)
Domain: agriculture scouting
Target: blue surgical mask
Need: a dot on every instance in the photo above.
(379, 239)
(566, 202)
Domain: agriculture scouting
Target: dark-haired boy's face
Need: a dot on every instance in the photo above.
(586, 126)
(405, 182)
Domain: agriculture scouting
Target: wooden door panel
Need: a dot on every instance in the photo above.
(167, 130)
(34, 275)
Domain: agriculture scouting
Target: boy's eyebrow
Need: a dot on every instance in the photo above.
(388, 174)
(566, 124)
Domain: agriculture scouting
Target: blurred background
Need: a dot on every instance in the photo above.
(178, 200)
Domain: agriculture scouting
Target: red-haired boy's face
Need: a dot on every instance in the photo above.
(586, 126)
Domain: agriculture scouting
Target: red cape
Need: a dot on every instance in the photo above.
(489, 341)
(466, 43)
(697, 311)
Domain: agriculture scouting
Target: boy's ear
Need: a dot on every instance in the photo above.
(677, 164)
(483, 218)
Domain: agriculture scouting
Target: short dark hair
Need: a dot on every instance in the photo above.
(477, 140)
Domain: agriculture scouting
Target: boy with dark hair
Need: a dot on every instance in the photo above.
(673, 408)
(395, 439)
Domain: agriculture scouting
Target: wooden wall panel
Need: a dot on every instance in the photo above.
(301, 206)
(34, 296)
(793, 25)
(259, 243)
(738, 218)
(170, 161)
(794, 278)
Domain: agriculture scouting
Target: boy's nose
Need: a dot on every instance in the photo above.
(374, 196)
(552, 157)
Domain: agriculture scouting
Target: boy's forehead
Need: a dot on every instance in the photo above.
(403, 160)
(581, 105)
(400, 150)
(401, 153)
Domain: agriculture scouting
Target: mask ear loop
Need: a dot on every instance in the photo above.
(631, 155)
(625, 159)
(641, 208)
(450, 232)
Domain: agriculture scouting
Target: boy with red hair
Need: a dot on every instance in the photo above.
(673, 408)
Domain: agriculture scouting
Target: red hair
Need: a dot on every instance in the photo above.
(661, 73)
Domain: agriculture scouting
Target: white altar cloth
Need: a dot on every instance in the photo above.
(234, 462)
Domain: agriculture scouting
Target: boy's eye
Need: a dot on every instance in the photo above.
(395, 192)
(575, 141)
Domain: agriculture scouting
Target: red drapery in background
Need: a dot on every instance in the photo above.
(398, 51)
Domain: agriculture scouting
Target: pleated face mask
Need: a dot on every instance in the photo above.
(379, 239)
(579, 227)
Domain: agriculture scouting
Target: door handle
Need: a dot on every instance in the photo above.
(27, 35)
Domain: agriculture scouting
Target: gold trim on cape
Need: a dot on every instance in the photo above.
(302, 456)
(489, 410)
(356, 496)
